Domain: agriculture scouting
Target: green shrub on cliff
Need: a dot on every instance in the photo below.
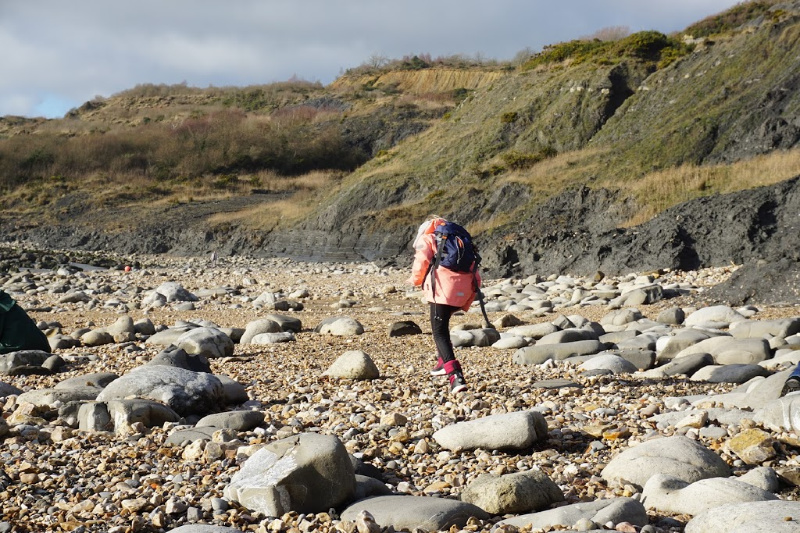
(649, 46)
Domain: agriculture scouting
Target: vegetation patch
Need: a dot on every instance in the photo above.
(522, 160)
(731, 19)
(649, 46)
(661, 190)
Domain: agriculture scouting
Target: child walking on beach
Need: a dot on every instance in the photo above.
(446, 291)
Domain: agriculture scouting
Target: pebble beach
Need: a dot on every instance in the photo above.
(57, 476)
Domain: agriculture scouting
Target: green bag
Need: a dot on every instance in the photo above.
(17, 330)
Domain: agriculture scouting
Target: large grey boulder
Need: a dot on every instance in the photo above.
(538, 354)
(7, 389)
(273, 338)
(307, 473)
(168, 336)
(474, 337)
(668, 494)
(715, 316)
(729, 373)
(762, 392)
(534, 331)
(174, 292)
(177, 357)
(510, 342)
(670, 346)
(678, 456)
(757, 329)
(410, 512)
(238, 420)
(54, 396)
(144, 326)
(614, 510)
(208, 342)
(568, 335)
(621, 317)
(122, 329)
(782, 414)
(344, 326)
(184, 391)
(235, 392)
(673, 316)
(638, 296)
(686, 365)
(521, 492)
(353, 364)
(11, 362)
(367, 487)
(181, 437)
(120, 416)
(266, 300)
(97, 337)
(778, 516)
(287, 323)
(509, 431)
(729, 350)
(610, 362)
(98, 380)
(256, 327)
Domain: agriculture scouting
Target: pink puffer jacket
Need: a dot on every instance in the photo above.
(452, 288)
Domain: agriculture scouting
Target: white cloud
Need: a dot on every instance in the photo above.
(76, 50)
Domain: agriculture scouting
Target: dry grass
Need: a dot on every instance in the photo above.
(302, 189)
(268, 216)
(661, 190)
(554, 174)
(312, 181)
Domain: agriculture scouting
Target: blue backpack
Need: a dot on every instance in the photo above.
(455, 249)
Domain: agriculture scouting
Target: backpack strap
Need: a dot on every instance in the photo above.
(432, 265)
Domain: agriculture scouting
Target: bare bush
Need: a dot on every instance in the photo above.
(609, 34)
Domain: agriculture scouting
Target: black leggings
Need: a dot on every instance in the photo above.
(440, 326)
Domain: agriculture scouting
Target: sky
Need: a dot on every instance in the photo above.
(58, 54)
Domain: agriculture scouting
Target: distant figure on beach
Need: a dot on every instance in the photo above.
(214, 258)
(446, 291)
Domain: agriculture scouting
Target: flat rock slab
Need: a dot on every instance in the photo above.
(668, 494)
(21, 358)
(516, 431)
(555, 384)
(678, 456)
(782, 414)
(409, 512)
(753, 517)
(43, 397)
(184, 391)
(238, 420)
(538, 354)
(735, 373)
(98, 379)
(190, 435)
(614, 510)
